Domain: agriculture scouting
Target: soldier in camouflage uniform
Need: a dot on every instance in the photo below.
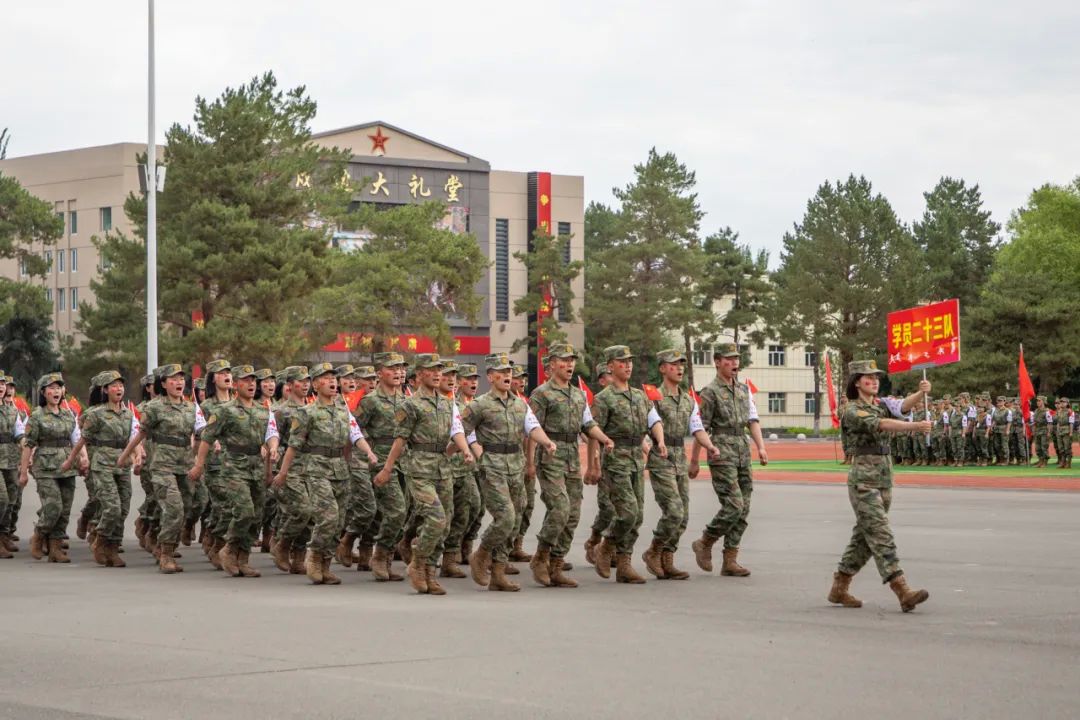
(9, 471)
(604, 511)
(1019, 450)
(377, 417)
(669, 477)
(16, 503)
(625, 415)
(294, 504)
(367, 379)
(248, 439)
(50, 433)
(937, 434)
(564, 414)
(868, 418)
(428, 422)
(469, 380)
(264, 395)
(149, 517)
(360, 513)
(518, 553)
(219, 387)
(727, 408)
(468, 503)
(1042, 423)
(1002, 422)
(954, 439)
(966, 417)
(497, 423)
(980, 434)
(1063, 428)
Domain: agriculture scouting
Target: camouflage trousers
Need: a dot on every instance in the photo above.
(328, 515)
(871, 536)
(91, 509)
(112, 488)
(504, 498)
(671, 488)
(980, 446)
(295, 510)
(625, 485)
(243, 491)
(173, 494)
(269, 517)
(433, 504)
(148, 509)
(1042, 445)
(1062, 445)
(733, 487)
(939, 446)
(561, 490)
(468, 503)
(214, 511)
(362, 508)
(1000, 447)
(473, 530)
(525, 516)
(56, 495)
(9, 493)
(200, 501)
(393, 511)
(604, 510)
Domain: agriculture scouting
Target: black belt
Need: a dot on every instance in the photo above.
(47, 443)
(170, 440)
(428, 447)
(562, 437)
(871, 450)
(726, 431)
(509, 449)
(115, 444)
(622, 441)
(381, 440)
(244, 449)
(329, 452)
(6, 438)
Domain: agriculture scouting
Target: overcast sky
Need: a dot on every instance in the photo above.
(764, 100)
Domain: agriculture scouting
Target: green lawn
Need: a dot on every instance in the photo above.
(1007, 471)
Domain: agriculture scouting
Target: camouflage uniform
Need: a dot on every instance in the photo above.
(524, 521)
(468, 497)
(604, 510)
(50, 435)
(149, 512)
(212, 501)
(1000, 437)
(107, 433)
(362, 508)
(170, 425)
(1063, 433)
(377, 417)
(1042, 427)
(668, 476)
(294, 504)
(9, 467)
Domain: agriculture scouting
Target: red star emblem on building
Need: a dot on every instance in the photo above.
(378, 141)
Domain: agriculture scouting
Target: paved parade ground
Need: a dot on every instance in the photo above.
(999, 637)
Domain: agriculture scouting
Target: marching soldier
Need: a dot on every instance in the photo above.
(219, 385)
(295, 507)
(1042, 423)
(361, 510)
(1001, 424)
(1063, 427)
(468, 504)
(9, 470)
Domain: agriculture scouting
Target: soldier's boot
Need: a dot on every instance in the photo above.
(480, 566)
(511, 570)
(417, 575)
(343, 553)
(703, 551)
(229, 556)
(605, 551)
(328, 577)
(214, 556)
(380, 564)
(667, 561)
(1041, 463)
(297, 558)
(267, 539)
(97, 548)
(185, 534)
(466, 551)
(244, 565)
(5, 554)
(908, 598)
(652, 559)
(625, 572)
(363, 557)
(567, 566)
(140, 531)
(449, 568)
(1068, 462)
(556, 569)
(167, 565)
(540, 565)
(518, 554)
(498, 579)
(82, 526)
(590, 547)
(9, 543)
(434, 588)
(112, 554)
(731, 567)
(56, 552)
(404, 550)
(313, 566)
(37, 545)
(393, 576)
(839, 595)
(279, 552)
(152, 543)
(91, 534)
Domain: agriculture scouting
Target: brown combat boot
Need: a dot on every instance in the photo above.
(244, 565)
(590, 547)
(498, 579)
(652, 559)
(625, 572)
(730, 566)
(141, 526)
(908, 598)
(839, 594)
(604, 552)
(556, 569)
(328, 577)
(1041, 463)
(667, 561)
(296, 561)
(112, 556)
(511, 570)
(214, 556)
(56, 552)
(362, 556)
(540, 565)
(166, 563)
(703, 551)
(81, 527)
(152, 545)
(343, 553)
(37, 545)
(267, 539)
(434, 588)
(97, 548)
(279, 553)
(480, 566)
(229, 556)
(5, 554)
(518, 554)
(91, 533)
(404, 550)
(417, 575)
(313, 566)
(185, 534)
(8, 543)
(466, 551)
(380, 564)
(450, 567)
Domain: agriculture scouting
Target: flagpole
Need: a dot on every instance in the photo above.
(926, 408)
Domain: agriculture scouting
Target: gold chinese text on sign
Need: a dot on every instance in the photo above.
(416, 185)
(453, 184)
(380, 185)
(303, 180)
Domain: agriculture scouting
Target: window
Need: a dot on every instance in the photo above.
(48, 294)
(104, 263)
(776, 355)
(744, 350)
(106, 219)
(74, 222)
(502, 269)
(60, 304)
(810, 404)
(48, 259)
(777, 403)
(74, 260)
(74, 299)
(60, 260)
(701, 354)
(564, 234)
(22, 267)
(60, 215)
(811, 358)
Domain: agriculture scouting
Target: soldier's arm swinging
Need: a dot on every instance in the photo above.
(592, 468)
(286, 463)
(75, 451)
(132, 444)
(383, 476)
(24, 465)
(196, 470)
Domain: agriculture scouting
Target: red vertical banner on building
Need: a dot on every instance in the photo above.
(543, 225)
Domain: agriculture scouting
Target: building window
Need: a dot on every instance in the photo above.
(502, 269)
(74, 299)
(811, 358)
(810, 404)
(48, 259)
(60, 260)
(74, 222)
(106, 219)
(60, 215)
(74, 260)
(701, 353)
(48, 294)
(777, 403)
(564, 234)
(104, 263)
(60, 304)
(776, 355)
(22, 267)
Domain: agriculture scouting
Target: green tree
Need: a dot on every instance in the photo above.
(26, 336)
(25, 221)
(548, 272)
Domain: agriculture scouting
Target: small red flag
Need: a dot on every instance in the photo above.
(585, 389)
(20, 403)
(73, 405)
(652, 392)
(750, 384)
(353, 399)
(831, 392)
(1027, 392)
(134, 410)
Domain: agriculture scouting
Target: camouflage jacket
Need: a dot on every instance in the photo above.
(170, 425)
(426, 421)
(377, 416)
(9, 448)
(105, 429)
(240, 431)
(675, 411)
(623, 415)
(862, 420)
(497, 421)
(1062, 427)
(208, 407)
(457, 460)
(51, 434)
(316, 428)
(1002, 418)
(725, 411)
(1042, 420)
(561, 412)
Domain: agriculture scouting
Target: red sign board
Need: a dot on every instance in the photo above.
(924, 337)
(463, 344)
(543, 222)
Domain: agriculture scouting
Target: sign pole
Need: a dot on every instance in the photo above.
(926, 407)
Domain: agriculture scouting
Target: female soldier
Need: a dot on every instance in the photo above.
(170, 422)
(106, 428)
(868, 419)
(146, 525)
(265, 395)
(9, 471)
(219, 383)
(49, 432)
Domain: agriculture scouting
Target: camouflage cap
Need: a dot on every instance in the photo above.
(388, 359)
(428, 361)
(985, 395)
(671, 356)
(498, 361)
(280, 376)
(520, 371)
(947, 398)
(264, 374)
(617, 352)
(48, 379)
(561, 350)
(467, 370)
(320, 369)
(864, 367)
(410, 371)
(1000, 398)
(366, 372)
(105, 378)
(725, 350)
(602, 369)
(217, 366)
(9, 379)
(344, 370)
(1041, 397)
(1063, 399)
(3, 376)
(147, 379)
(200, 383)
(243, 371)
(168, 371)
(964, 395)
(295, 373)
(449, 366)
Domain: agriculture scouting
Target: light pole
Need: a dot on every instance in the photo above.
(151, 209)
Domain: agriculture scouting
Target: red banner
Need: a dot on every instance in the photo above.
(463, 344)
(831, 392)
(924, 337)
(543, 225)
(1027, 393)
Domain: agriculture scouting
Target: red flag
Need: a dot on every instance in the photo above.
(353, 399)
(134, 410)
(831, 390)
(20, 403)
(585, 389)
(750, 384)
(694, 396)
(408, 391)
(652, 392)
(73, 405)
(1027, 392)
